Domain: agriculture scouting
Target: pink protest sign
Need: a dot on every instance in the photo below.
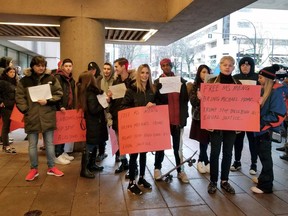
(143, 129)
(230, 107)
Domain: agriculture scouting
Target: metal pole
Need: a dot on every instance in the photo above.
(255, 39)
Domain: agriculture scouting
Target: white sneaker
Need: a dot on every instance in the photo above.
(61, 160)
(201, 168)
(256, 190)
(67, 157)
(207, 167)
(183, 177)
(157, 174)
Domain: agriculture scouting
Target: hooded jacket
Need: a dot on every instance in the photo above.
(38, 118)
(251, 75)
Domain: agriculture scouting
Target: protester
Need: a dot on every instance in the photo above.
(8, 83)
(246, 67)
(178, 113)
(141, 93)
(126, 77)
(196, 133)
(96, 129)
(39, 116)
(272, 114)
(217, 137)
(67, 102)
(99, 151)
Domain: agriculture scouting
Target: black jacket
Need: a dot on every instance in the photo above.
(65, 84)
(133, 98)
(7, 93)
(96, 132)
(115, 104)
(183, 100)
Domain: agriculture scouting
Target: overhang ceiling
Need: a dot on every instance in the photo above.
(194, 16)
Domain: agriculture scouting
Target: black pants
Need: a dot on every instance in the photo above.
(238, 146)
(266, 177)
(159, 155)
(203, 157)
(228, 139)
(59, 149)
(5, 114)
(133, 165)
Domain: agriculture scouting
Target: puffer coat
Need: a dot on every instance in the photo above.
(38, 118)
(96, 132)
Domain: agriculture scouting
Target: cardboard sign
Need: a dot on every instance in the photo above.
(143, 129)
(113, 140)
(69, 127)
(230, 107)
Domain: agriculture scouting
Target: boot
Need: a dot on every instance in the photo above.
(85, 172)
(92, 166)
(124, 166)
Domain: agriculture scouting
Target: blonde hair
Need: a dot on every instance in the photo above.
(138, 83)
(228, 58)
(268, 86)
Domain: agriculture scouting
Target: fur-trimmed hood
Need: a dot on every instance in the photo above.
(28, 71)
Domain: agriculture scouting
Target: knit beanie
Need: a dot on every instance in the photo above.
(270, 72)
(166, 61)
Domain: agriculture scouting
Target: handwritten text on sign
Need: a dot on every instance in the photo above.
(230, 107)
(143, 129)
(68, 127)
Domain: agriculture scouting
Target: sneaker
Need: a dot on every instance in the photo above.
(33, 173)
(212, 187)
(207, 167)
(227, 187)
(157, 174)
(61, 160)
(67, 157)
(143, 183)
(255, 180)
(236, 166)
(183, 177)
(256, 190)
(201, 168)
(253, 169)
(134, 189)
(101, 157)
(55, 172)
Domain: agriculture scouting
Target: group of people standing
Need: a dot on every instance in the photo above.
(272, 115)
(40, 117)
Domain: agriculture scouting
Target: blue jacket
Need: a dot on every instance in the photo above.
(273, 113)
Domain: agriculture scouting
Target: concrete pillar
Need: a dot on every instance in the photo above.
(82, 40)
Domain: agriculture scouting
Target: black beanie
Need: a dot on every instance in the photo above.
(270, 72)
(247, 60)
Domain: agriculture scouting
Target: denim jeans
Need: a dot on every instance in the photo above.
(50, 149)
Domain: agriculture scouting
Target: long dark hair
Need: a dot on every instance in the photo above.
(86, 80)
(198, 79)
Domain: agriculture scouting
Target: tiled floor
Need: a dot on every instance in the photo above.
(107, 193)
